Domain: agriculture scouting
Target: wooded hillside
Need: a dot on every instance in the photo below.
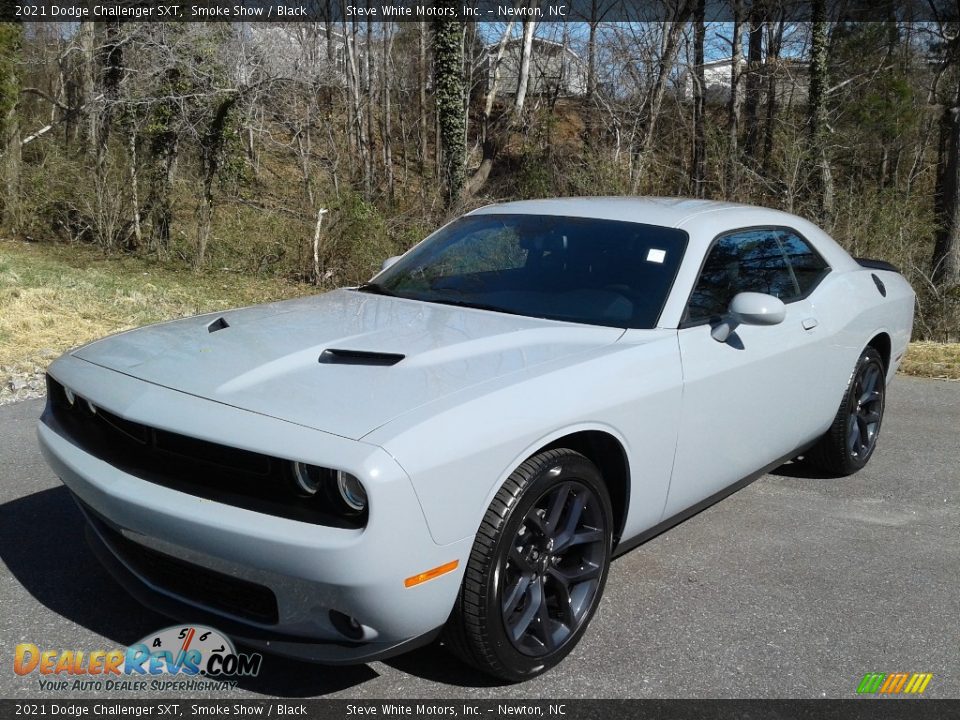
(316, 150)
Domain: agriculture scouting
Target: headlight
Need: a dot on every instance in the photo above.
(351, 491)
(340, 488)
(308, 478)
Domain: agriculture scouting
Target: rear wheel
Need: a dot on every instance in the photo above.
(849, 443)
(537, 568)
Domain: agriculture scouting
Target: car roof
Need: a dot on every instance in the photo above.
(663, 211)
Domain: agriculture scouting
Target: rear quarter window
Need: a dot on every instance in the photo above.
(808, 266)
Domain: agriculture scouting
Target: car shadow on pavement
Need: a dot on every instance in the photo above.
(435, 663)
(41, 544)
(802, 470)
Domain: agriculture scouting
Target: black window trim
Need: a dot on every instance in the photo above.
(684, 324)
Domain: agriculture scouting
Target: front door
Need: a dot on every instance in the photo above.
(754, 398)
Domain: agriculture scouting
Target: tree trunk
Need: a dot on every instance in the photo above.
(732, 174)
(821, 176)
(422, 123)
(161, 208)
(495, 80)
(213, 154)
(317, 275)
(368, 108)
(328, 34)
(385, 73)
(754, 79)
(490, 139)
(671, 46)
(448, 89)
(946, 251)
(526, 51)
(11, 38)
(134, 187)
(111, 64)
(592, 52)
(699, 165)
(354, 108)
(87, 110)
(774, 41)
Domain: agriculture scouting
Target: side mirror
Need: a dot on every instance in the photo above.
(388, 262)
(749, 308)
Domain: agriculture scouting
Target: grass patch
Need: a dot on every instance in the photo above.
(55, 297)
(932, 360)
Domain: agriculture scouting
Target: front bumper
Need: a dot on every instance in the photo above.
(309, 570)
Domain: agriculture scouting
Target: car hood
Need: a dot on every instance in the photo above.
(274, 359)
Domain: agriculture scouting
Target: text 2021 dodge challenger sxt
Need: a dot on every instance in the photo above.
(461, 444)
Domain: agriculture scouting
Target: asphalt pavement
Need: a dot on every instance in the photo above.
(796, 586)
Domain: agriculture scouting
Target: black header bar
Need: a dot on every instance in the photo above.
(266, 11)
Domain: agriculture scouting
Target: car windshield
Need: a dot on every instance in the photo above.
(585, 270)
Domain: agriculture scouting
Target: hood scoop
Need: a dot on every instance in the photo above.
(218, 324)
(335, 356)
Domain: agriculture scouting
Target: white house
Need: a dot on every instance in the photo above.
(792, 79)
(554, 69)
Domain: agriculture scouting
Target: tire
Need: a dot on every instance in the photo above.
(849, 443)
(537, 568)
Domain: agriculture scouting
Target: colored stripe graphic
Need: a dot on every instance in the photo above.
(901, 681)
(918, 683)
(894, 683)
(871, 683)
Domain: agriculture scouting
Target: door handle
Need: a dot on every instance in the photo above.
(809, 323)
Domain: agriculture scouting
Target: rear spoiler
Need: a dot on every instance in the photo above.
(876, 264)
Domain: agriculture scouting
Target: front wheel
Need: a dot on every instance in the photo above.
(849, 443)
(537, 568)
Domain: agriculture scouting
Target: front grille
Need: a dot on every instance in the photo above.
(227, 475)
(209, 588)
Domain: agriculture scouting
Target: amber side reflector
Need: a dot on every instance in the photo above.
(431, 574)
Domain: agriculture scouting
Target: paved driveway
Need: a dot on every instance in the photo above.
(793, 587)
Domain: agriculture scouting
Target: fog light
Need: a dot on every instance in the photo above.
(346, 625)
(351, 491)
(307, 477)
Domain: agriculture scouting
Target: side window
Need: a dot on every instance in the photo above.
(743, 261)
(807, 265)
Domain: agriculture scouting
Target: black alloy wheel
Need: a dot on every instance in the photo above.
(537, 569)
(852, 438)
(863, 424)
(551, 574)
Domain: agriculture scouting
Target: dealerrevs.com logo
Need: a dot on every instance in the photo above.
(181, 657)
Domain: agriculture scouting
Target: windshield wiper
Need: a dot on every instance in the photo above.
(474, 305)
(375, 289)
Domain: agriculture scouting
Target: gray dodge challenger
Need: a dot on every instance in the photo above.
(459, 446)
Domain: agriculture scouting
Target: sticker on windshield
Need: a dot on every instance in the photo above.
(655, 255)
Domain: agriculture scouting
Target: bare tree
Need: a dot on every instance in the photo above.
(754, 78)
(698, 169)
(817, 112)
(11, 37)
(491, 138)
(448, 84)
(946, 252)
(734, 105)
(526, 53)
(671, 31)
(774, 43)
